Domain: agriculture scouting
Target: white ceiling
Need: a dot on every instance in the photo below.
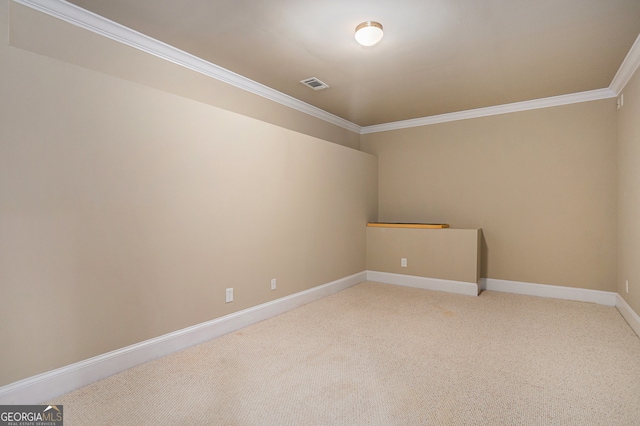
(437, 56)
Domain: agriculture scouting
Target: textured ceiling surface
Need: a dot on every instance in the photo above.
(437, 56)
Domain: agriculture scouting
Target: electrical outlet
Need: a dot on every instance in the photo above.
(273, 284)
(403, 262)
(229, 295)
(626, 283)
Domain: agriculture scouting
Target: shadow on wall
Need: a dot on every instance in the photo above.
(484, 256)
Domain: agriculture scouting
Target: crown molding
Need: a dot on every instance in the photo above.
(573, 98)
(627, 69)
(97, 24)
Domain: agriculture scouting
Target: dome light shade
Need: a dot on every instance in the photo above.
(369, 33)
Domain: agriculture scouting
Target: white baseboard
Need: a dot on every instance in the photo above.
(628, 314)
(460, 287)
(45, 386)
(607, 298)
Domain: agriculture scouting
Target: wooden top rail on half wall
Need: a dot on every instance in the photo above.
(408, 225)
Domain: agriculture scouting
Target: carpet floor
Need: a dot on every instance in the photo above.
(378, 354)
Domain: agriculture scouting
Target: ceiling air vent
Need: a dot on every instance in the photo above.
(314, 83)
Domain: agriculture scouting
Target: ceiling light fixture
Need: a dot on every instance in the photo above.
(369, 33)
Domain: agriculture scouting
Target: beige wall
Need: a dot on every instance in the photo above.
(628, 121)
(541, 184)
(43, 34)
(125, 211)
(447, 254)
(132, 193)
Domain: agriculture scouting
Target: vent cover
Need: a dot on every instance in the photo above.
(314, 83)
